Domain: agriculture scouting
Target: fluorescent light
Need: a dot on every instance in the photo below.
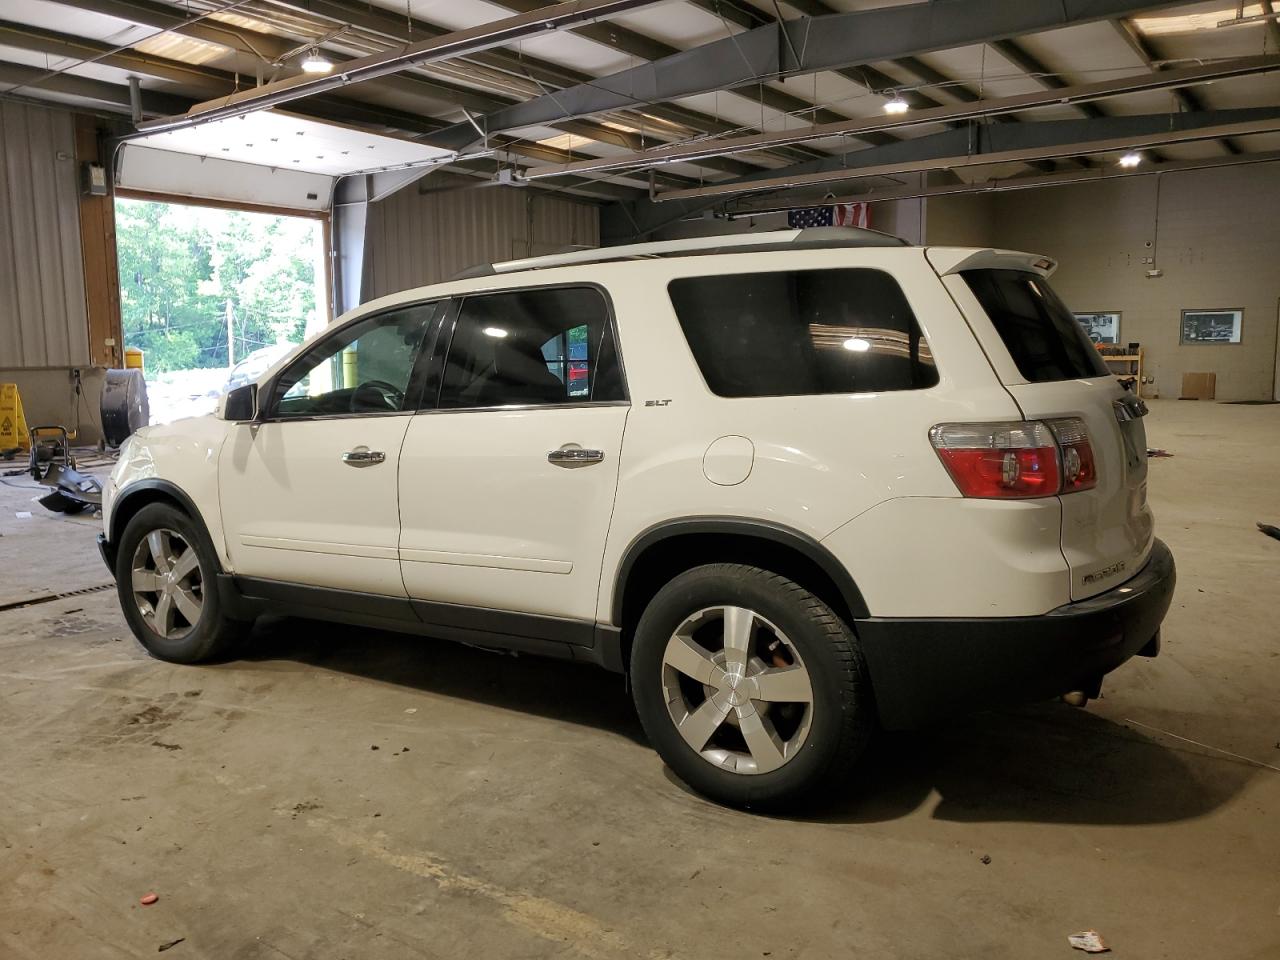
(1131, 159)
(315, 62)
(896, 105)
(857, 345)
(494, 332)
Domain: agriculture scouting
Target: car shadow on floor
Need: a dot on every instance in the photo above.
(574, 692)
(1040, 763)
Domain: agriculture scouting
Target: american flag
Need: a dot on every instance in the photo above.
(839, 215)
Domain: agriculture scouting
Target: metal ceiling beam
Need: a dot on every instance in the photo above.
(1026, 182)
(97, 92)
(260, 45)
(456, 44)
(1186, 99)
(1077, 95)
(647, 48)
(803, 46)
(1002, 144)
(657, 120)
(212, 81)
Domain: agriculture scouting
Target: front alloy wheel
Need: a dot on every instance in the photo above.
(166, 576)
(167, 585)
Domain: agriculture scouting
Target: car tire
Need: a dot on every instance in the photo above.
(768, 752)
(166, 578)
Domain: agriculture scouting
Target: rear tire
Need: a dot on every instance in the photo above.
(764, 669)
(166, 577)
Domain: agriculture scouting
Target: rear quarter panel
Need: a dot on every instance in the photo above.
(819, 461)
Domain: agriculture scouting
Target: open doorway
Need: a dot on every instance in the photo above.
(213, 295)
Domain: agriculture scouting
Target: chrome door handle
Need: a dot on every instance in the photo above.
(363, 457)
(571, 456)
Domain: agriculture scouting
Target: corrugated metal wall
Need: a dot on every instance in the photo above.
(414, 239)
(42, 304)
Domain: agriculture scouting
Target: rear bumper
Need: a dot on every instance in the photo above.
(923, 670)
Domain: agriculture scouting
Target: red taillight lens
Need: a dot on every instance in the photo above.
(1079, 470)
(1011, 460)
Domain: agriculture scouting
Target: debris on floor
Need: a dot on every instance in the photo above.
(1090, 941)
(169, 944)
(1269, 530)
(1157, 452)
(148, 899)
(73, 491)
(985, 859)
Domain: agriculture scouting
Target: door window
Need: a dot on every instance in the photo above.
(547, 346)
(368, 368)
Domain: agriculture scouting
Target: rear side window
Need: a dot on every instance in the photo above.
(542, 346)
(802, 332)
(1042, 336)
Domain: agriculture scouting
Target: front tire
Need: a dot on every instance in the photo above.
(750, 687)
(166, 578)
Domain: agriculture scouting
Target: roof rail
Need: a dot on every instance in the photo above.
(807, 238)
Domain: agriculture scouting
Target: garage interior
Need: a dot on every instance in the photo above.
(340, 792)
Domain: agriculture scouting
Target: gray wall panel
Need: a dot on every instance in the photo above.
(43, 321)
(415, 239)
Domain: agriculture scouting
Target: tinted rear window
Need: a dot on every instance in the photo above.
(1041, 334)
(802, 332)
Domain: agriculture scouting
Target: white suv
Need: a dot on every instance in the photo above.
(796, 484)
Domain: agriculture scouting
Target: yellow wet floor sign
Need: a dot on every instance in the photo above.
(13, 425)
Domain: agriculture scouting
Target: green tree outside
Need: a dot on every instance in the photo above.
(184, 269)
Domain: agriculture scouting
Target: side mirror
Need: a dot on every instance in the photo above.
(241, 404)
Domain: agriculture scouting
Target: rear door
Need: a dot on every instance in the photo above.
(1048, 365)
(507, 479)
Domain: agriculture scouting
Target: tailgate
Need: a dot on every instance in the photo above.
(1050, 368)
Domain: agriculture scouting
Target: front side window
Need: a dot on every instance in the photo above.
(802, 332)
(367, 368)
(547, 346)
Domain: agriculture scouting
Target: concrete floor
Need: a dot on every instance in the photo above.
(341, 794)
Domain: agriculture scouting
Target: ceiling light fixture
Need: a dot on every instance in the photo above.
(315, 62)
(896, 105)
(1131, 159)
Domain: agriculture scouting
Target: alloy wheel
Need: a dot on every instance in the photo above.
(737, 690)
(168, 588)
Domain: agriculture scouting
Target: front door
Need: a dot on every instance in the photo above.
(309, 490)
(507, 485)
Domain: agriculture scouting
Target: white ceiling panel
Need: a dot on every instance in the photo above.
(1085, 52)
(284, 141)
(54, 16)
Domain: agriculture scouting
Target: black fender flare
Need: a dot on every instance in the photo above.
(153, 485)
(742, 527)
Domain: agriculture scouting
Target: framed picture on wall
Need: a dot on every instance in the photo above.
(1100, 327)
(1211, 326)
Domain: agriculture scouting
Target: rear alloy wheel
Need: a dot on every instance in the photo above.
(749, 686)
(737, 690)
(166, 574)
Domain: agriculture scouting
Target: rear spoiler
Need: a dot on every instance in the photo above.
(947, 260)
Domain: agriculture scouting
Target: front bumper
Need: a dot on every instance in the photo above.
(923, 670)
(108, 552)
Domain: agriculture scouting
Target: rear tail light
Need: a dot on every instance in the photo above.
(1079, 470)
(1016, 460)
